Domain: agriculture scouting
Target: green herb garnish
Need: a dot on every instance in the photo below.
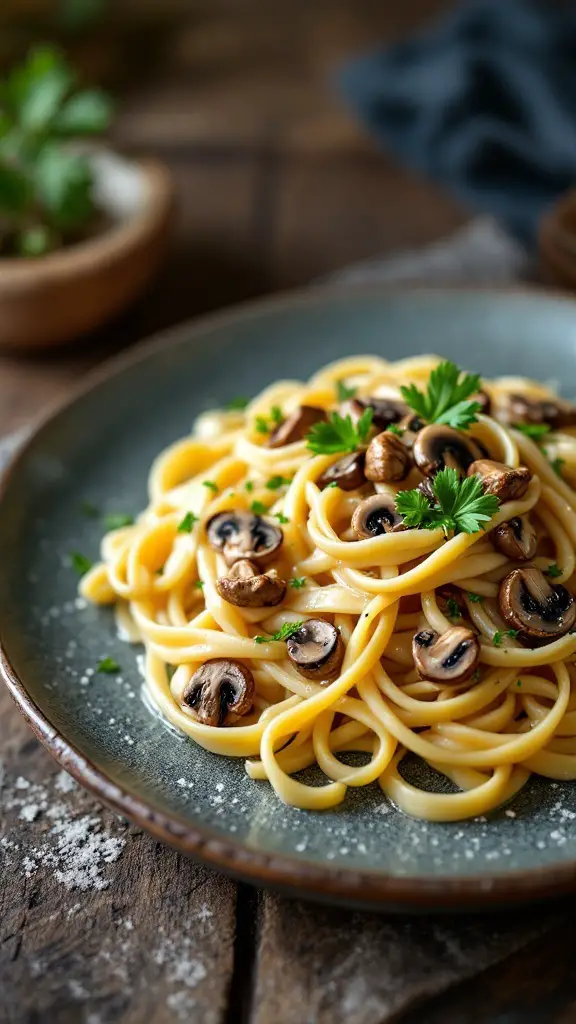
(199, 585)
(297, 582)
(393, 429)
(553, 571)
(333, 484)
(249, 486)
(89, 510)
(476, 676)
(109, 666)
(534, 430)
(460, 505)
(339, 434)
(116, 520)
(80, 563)
(453, 609)
(261, 425)
(446, 397)
(475, 598)
(343, 392)
(518, 682)
(281, 518)
(237, 404)
(276, 482)
(258, 508)
(557, 466)
(286, 631)
(210, 485)
(276, 415)
(187, 523)
(501, 633)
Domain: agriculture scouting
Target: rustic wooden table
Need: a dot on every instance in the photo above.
(276, 186)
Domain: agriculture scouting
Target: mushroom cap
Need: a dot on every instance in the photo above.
(519, 408)
(384, 410)
(507, 483)
(438, 446)
(348, 472)
(376, 515)
(296, 426)
(219, 688)
(537, 608)
(243, 535)
(484, 401)
(317, 650)
(387, 459)
(515, 538)
(450, 657)
(246, 587)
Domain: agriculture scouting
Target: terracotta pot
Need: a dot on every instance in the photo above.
(50, 300)
(557, 241)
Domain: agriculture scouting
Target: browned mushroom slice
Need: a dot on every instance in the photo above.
(506, 483)
(376, 515)
(384, 410)
(348, 473)
(437, 446)
(243, 535)
(516, 539)
(219, 688)
(426, 488)
(450, 657)
(538, 609)
(483, 399)
(296, 426)
(317, 650)
(246, 587)
(387, 459)
(410, 425)
(518, 408)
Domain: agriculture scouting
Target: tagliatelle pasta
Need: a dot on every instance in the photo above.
(452, 640)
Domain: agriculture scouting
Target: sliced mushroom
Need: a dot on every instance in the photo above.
(246, 587)
(376, 515)
(483, 399)
(348, 472)
(296, 426)
(438, 446)
(537, 608)
(516, 539)
(219, 688)
(410, 425)
(518, 408)
(506, 483)
(449, 598)
(426, 488)
(387, 459)
(243, 535)
(317, 650)
(384, 410)
(450, 657)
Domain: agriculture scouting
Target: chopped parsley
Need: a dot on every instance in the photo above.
(210, 485)
(339, 434)
(237, 404)
(392, 428)
(276, 482)
(553, 571)
(453, 609)
(89, 510)
(116, 520)
(249, 486)
(258, 508)
(286, 631)
(297, 582)
(199, 585)
(261, 425)
(475, 598)
(518, 682)
(557, 466)
(187, 523)
(333, 484)
(446, 399)
(80, 563)
(343, 392)
(501, 633)
(534, 430)
(476, 676)
(281, 518)
(109, 666)
(276, 415)
(460, 505)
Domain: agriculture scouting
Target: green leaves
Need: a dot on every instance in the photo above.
(287, 630)
(15, 189)
(553, 571)
(64, 186)
(109, 666)
(534, 430)
(187, 524)
(237, 404)
(87, 113)
(461, 505)
(343, 392)
(501, 633)
(38, 87)
(80, 563)
(118, 520)
(446, 397)
(258, 508)
(339, 434)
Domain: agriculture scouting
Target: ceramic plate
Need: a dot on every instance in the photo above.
(98, 449)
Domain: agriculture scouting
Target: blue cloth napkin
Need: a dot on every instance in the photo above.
(483, 103)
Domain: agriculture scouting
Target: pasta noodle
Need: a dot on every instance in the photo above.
(417, 656)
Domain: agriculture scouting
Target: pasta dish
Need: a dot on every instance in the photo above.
(372, 566)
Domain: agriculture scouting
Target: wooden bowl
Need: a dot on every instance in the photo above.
(48, 301)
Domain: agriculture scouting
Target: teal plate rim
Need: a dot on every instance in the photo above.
(359, 888)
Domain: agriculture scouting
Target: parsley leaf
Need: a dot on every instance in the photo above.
(199, 585)
(475, 598)
(187, 523)
(80, 563)
(116, 520)
(501, 633)
(453, 609)
(109, 666)
(281, 518)
(534, 430)
(276, 415)
(259, 508)
(261, 425)
(237, 404)
(460, 505)
(276, 482)
(210, 485)
(248, 486)
(553, 571)
(339, 434)
(446, 397)
(287, 630)
(343, 392)
(518, 682)
(392, 428)
(297, 582)
(557, 466)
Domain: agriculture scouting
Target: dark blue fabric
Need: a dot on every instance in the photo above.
(484, 103)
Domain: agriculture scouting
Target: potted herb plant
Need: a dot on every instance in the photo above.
(81, 228)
